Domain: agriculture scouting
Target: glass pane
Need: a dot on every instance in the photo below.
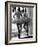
(21, 22)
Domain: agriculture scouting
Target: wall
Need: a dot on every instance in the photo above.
(37, 22)
(2, 23)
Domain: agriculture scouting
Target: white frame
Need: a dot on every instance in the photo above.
(7, 17)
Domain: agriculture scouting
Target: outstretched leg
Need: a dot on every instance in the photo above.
(19, 29)
(25, 27)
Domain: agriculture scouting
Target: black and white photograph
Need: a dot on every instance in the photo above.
(20, 22)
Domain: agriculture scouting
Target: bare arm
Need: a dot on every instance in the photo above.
(20, 14)
(14, 15)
